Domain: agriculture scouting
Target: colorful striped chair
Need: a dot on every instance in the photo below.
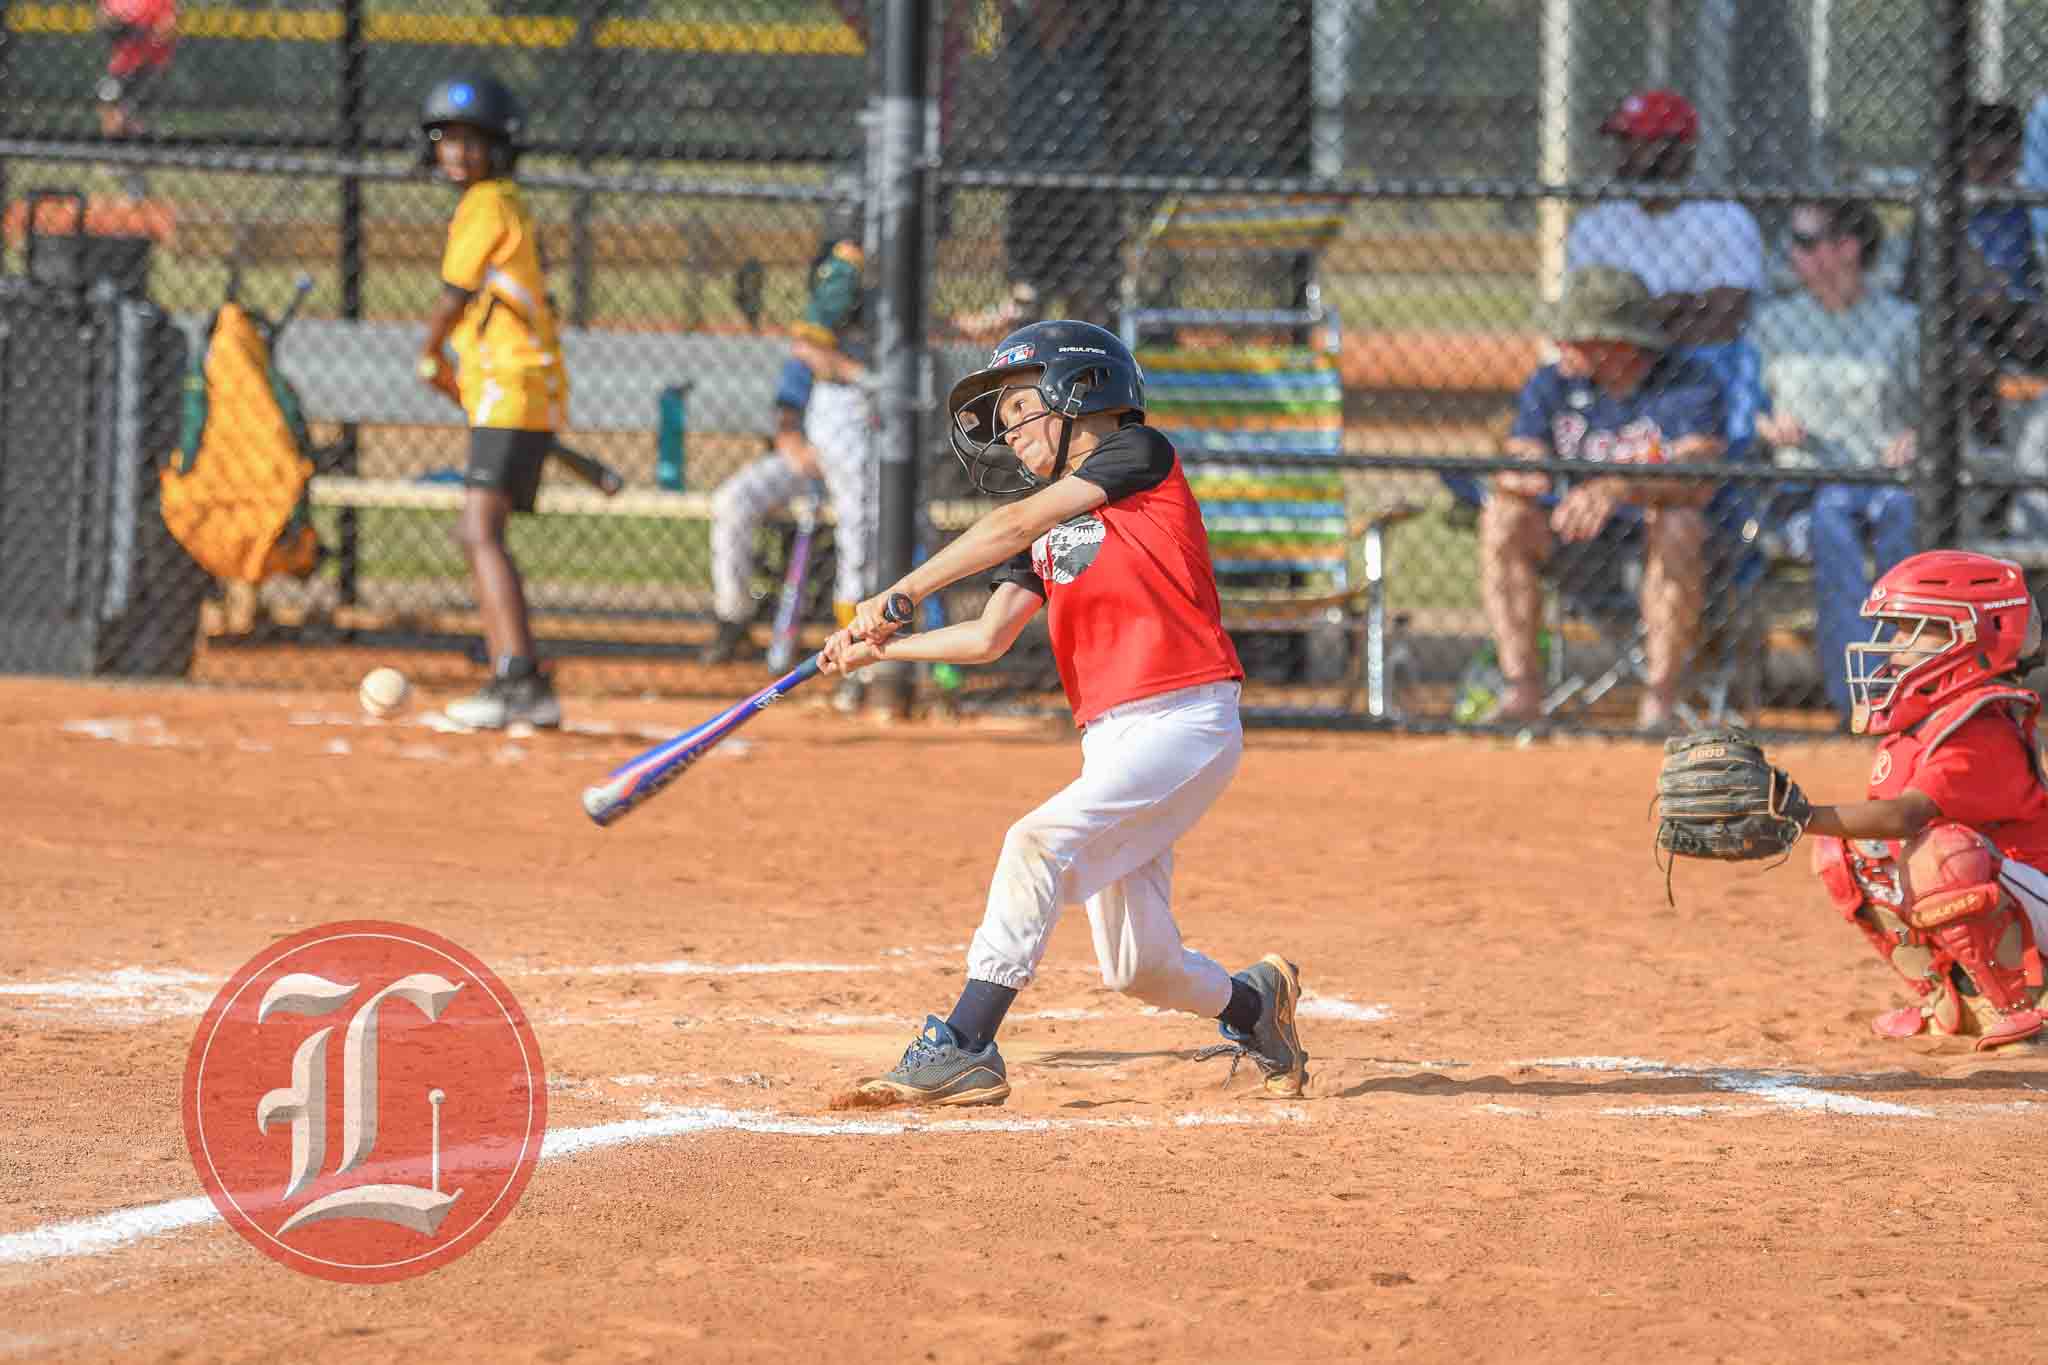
(1274, 530)
(1250, 420)
(1281, 535)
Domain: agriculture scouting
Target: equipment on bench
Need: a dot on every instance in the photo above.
(235, 493)
(91, 581)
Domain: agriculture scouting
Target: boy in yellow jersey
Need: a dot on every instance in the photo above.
(508, 376)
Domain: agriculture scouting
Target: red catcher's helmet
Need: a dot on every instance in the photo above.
(1946, 621)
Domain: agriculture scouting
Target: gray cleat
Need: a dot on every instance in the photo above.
(936, 1070)
(1273, 1045)
(509, 701)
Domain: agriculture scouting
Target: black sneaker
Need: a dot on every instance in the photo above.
(728, 644)
(1273, 1045)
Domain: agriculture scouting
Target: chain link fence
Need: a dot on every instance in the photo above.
(1566, 362)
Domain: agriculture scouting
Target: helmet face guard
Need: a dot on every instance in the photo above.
(980, 441)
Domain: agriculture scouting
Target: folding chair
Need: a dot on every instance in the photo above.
(1724, 683)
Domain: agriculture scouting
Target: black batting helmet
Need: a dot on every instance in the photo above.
(478, 101)
(1077, 368)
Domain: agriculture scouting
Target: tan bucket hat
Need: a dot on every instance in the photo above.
(1603, 303)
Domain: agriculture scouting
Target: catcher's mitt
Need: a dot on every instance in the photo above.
(1719, 797)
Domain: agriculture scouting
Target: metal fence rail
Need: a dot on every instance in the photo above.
(1241, 178)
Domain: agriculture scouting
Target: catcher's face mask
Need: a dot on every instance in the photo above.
(1903, 652)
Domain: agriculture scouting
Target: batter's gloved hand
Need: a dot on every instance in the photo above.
(1719, 797)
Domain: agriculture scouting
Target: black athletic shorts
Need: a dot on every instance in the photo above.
(508, 462)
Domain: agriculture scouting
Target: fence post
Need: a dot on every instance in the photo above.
(902, 359)
(6, 74)
(590, 63)
(354, 61)
(1294, 137)
(1941, 216)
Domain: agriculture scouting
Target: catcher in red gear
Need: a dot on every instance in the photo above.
(1941, 869)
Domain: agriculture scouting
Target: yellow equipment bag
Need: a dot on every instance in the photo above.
(235, 494)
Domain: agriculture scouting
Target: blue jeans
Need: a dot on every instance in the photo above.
(1846, 519)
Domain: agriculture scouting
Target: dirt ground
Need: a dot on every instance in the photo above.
(1550, 1117)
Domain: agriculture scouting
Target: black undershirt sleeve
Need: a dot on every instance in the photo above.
(1019, 571)
(1132, 460)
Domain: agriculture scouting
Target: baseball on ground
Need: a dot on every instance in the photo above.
(383, 692)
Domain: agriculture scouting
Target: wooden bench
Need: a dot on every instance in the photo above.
(361, 373)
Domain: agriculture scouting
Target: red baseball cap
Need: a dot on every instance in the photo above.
(1654, 115)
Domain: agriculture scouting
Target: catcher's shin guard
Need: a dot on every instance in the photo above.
(1957, 906)
(1862, 881)
(1935, 912)
(1832, 863)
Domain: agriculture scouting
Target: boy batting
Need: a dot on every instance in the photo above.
(1109, 540)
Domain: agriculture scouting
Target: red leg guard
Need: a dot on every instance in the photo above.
(1957, 907)
(1837, 867)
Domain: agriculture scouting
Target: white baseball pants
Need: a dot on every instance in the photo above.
(836, 422)
(2029, 886)
(1149, 769)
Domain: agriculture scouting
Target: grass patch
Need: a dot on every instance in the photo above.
(1432, 565)
(412, 545)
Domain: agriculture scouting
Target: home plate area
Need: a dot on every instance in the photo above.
(1549, 1114)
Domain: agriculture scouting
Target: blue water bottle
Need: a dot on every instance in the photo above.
(668, 447)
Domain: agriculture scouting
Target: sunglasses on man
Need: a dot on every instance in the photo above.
(1807, 241)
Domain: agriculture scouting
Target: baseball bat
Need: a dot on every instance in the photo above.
(782, 642)
(596, 473)
(643, 777)
(300, 289)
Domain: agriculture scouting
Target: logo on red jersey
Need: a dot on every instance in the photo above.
(1064, 553)
(1882, 769)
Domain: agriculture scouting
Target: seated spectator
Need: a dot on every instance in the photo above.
(1617, 396)
(1702, 259)
(2034, 161)
(2001, 295)
(1841, 365)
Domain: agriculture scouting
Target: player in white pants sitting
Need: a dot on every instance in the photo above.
(1111, 542)
(825, 423)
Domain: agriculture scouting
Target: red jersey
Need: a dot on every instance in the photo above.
(1129, 588)
(1976, 759)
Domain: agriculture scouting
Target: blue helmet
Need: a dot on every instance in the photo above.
(482, 102)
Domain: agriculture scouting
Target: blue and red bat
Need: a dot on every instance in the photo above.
(640, 779)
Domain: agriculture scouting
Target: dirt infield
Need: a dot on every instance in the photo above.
(1550, 1117)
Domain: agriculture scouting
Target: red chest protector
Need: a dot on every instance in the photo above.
(1870, 862)
(1900, 756)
